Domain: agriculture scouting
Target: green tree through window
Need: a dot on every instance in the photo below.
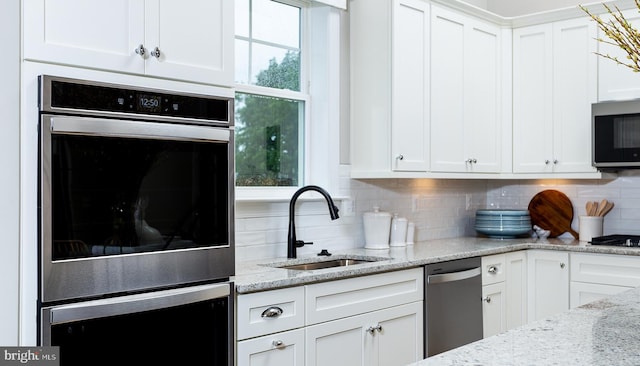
(268, 128)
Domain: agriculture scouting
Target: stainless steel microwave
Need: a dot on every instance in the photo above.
(616, 135)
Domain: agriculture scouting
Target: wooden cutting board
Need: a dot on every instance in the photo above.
(552, 210)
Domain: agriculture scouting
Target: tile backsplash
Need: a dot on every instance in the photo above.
(440, 208)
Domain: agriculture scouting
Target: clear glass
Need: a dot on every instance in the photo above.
(268, 44)
(268, 142)
(116, 196)
(276, 23)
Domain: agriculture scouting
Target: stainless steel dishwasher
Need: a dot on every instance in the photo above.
(453, 306)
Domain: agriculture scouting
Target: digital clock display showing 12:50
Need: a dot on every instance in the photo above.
(149, 103)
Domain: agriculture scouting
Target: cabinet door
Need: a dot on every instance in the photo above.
(401, 336)
(532, 99)
(343, 342)
(548, 283)
(85, 33)
(583, 293)
(493, 309)
(516, 288)
(282, 349)
(410, 83)
(195, 41)
(465, 98)
(447, 97)
(617, 82)
(482, 97)
(574, 90)
(392, 336)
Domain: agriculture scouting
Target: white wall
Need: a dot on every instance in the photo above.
(10, 165)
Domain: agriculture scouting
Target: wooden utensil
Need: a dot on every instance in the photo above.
(607, 208)
(552, 210)
(601, 207)
(589, 207)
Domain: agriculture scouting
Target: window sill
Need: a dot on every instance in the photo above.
(268, 194)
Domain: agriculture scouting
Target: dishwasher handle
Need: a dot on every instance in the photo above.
(454, 276)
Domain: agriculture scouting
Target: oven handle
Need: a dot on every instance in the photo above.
(137, 303)
(126, 128)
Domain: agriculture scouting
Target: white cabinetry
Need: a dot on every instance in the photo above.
(503, 292)
(369, 320)
(595, 276)
(617, 82)
(389, 86)
(465, 93)
(548, 283)
(266, 328)
(191, 42)
(554, 84)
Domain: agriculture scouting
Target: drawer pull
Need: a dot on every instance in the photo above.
(493, 270)
(278, 344)
(272, 312)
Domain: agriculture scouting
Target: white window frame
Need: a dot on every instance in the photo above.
(320, 92)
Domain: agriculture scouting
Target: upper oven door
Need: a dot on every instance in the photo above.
(131, 205)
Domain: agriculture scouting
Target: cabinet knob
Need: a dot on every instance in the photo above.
(472, 161)
(375, 328)
(272, 312)
(278, 343)
(487, 299)
(493, 270)
(546, 162)
(562, 265)
(400, 157)
(156, 53)
(141, 51)
(555, 161)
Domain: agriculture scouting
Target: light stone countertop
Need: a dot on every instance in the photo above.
(603, 332)
(253, 276)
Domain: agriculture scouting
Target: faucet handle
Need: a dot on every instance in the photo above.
(301, 243)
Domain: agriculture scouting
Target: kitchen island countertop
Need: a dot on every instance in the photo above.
(259, 275)
(600, 333)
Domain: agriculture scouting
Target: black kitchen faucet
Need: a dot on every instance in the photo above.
(292, 243)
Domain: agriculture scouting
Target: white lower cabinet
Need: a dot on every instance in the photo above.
(282, 349)
(368, 320)
(548, 283)
(595, 276)
(392, 336)
(504, 294)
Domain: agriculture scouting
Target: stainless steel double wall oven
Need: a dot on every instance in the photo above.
(136, 223)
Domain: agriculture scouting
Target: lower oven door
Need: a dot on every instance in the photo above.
(185, 326)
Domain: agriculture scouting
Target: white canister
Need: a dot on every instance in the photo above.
(398, 231)
(377, 225)
(411, 232)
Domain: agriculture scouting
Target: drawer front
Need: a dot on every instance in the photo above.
(267, 312)
(606, 269)
(493, 267)
(338, 299)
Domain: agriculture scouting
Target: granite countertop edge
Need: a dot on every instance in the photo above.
(260, 275)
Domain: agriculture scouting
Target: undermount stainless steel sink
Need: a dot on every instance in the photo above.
(321, 264)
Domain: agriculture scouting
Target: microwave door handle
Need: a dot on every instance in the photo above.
(137, 303)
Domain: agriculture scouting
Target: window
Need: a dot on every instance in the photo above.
(271, 98)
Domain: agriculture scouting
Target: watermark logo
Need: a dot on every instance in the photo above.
(32, 356)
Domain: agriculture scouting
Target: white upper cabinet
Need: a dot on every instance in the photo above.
(465, 93)
(190, 42)
(617, 82)
(410, 86)
(389, 86)
(554, 84)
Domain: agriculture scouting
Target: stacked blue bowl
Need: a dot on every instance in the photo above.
(502, 224)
